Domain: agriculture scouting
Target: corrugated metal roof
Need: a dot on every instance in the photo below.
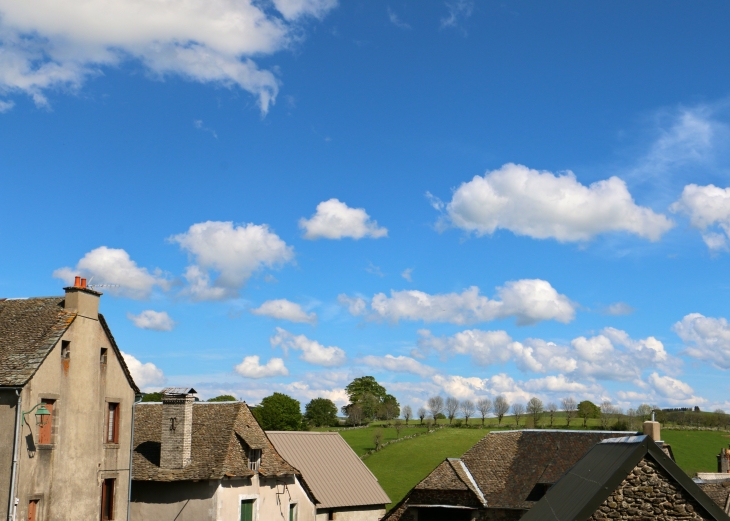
(582, 490)
(331, 469)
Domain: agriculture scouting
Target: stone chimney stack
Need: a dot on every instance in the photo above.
(653, 430)
(723, 461)
(177, 427)
(82, 300)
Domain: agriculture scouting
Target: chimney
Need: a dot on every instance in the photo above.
(82, 300)
(723, 461)
(653, 430)
(177, 427)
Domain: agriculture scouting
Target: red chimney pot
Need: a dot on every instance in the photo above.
(83, 283)
(77, 282)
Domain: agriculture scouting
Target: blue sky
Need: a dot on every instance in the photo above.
(460, 198)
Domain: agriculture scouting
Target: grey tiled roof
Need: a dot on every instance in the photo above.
(222, 433)
(29, 328)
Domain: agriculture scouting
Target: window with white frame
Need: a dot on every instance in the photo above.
(254, 459)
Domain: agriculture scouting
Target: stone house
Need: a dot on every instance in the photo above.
(66, 405)
(500, 478)
(343, 487)
(629, 478)
(201, 461)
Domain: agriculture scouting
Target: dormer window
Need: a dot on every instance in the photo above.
(254, 459)
(65, 349)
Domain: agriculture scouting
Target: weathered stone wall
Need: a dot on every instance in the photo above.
(649, 493)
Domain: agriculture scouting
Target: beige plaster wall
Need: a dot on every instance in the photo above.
(269, 505)
(67, 474)
(179, 500)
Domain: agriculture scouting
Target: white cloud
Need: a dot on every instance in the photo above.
(284, 309)
(707, 207)
(707, 338)
(6, 106)
(235, 252)
(312, 351)
(50, 45)
(155, 320)
(114, 267)
(618, 309)
(529, 301)
(542, 205)
(471, 388)
(305, 392)
(559, 384)
(335, 220)
(145, 375)
(407, 274)
(458, 11)
(674, 391)
(251, 368)
(357, 306)
(398, 364)
(395, 20)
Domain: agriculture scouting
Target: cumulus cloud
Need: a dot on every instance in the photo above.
(529, 301)
(114, 267)
(708, 209)
(611, 355)
(674, 391)
(618, 309)
(284, 309)
(312, 351)
(336, 220)
(398, 364)
(407, 274)
(155, 320)
(357, 306)
(558, 383)
(706, 338)
(234, 252)
(49, 45)
(543, 205)
(306, 391)
(251, 368)
(395, 20)
(145, 375)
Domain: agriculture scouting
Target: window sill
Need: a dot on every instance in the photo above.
(46, 446)
(111, 446)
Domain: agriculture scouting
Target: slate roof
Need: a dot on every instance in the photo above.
(452, 474)
(588, 483)
(331, 469)
(507, 465)
(29, 328)
(719, 492)
(222, 434)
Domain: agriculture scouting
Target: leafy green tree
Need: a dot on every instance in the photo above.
(588, 409)
(372, 398)
(321, 412)
(279, 412)
(223, 398)
(152, 397)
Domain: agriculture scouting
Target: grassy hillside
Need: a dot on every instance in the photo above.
(400, 466)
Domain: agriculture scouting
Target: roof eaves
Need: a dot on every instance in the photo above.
(113, 343)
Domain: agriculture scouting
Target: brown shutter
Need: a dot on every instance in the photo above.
(45, 431)
(33, 510)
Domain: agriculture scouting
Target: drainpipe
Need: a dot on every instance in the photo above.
(14, 473)
(137, 399)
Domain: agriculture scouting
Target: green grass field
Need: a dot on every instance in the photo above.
(400, 466)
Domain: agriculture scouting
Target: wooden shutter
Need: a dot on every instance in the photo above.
(45, 431)
(107, 500)
(33, 510)
(112, 423)
(247, 510)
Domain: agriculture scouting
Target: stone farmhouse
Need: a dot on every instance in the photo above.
(344, 488)
(200, 461)
(629, 478)
(66, 402)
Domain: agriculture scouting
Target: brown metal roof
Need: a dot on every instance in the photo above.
(331, 469)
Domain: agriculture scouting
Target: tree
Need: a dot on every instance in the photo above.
(452, 408)
(643, 411)
(569, 406)
(279, 412)
(421, 413)
(467, 410)
(535, 409)
(378, 438)
(435, 406)
(152, 397)
(223, 398)
(372, 398)
(631, 416)
(407, 413)
(551, 408)
(501, 407)
(518, 410)
(607, 411)
(484, 406)
(321, 412)
(354, 414)
(586, 410)
(398, 427)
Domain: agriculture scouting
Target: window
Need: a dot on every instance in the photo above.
(45, 431)
(247, 510)
(331, 515)
(33, 510)
(293, 512)
(107, 499)
(112, 423)
(65, 349)
(254, 459)
(102, 356)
